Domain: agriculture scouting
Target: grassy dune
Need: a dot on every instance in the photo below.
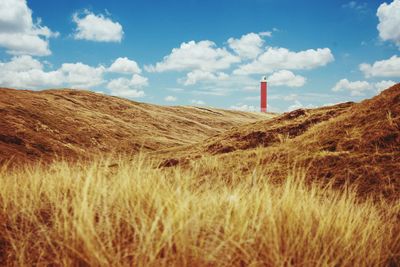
(126, 212)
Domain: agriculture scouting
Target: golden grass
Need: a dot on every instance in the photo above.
(134, 214)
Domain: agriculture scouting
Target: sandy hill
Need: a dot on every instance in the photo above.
(349, 142)
(357, 143)
(42, 124)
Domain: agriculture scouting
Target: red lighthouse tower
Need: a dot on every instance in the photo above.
(263, 94)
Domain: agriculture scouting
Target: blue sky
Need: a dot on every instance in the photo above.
(205, 52)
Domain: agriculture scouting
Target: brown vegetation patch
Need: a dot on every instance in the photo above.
(346, 143)
(43, 125)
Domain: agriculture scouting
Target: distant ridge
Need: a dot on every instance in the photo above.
(357, 143)
(70, 123)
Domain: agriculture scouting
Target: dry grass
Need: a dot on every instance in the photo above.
(41, 124)
(100, 214)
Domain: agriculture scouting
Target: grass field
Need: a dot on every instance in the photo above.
(127, 212)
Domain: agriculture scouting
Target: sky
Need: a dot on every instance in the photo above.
(204, 52)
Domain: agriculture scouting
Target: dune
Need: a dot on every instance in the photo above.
(356, 143)
(197, 186)
(71, 123)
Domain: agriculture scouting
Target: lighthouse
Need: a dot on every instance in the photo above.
(263, 94)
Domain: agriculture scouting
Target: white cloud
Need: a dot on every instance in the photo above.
(198, 102)
(198, 75)
(170, 98)
(282, 58)
(203, 62)
(285, 77)
(127, 93)
(355, 88)
(248, 46)
(136, 81)
(130, 88)
(124, 65)
(203, 55)
(389, 22)
(82, 76)
(382, 85)
(297, 104)
(244, 107)
(24, 44)
(19, 34)
(139, 81)
(24, 72)
(97, 28)
(265, 34)
(384, 68)
(358, 87)
(21, 63)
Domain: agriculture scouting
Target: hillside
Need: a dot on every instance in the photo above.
(262, 134)
(72, 123)
(356, 143)
(245, 190)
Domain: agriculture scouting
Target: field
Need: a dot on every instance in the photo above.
(100, 214)
(315, 187)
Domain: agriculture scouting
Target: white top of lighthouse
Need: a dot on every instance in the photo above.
(264, 79)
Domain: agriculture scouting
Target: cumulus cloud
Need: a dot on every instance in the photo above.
(125, 66)
(82, 76)
(359, 87)
(19, 34)
(21, 63)
(382, 85)
(248, 46)
(97, 28)
(281, 58)
(203, 55)
(198, 75)
(25, 72)
(355, 88)
(28, 73)
(130, 88)
(285, 77)
(221, 70)
(383, 68)
(170, 98)
(389, 21)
